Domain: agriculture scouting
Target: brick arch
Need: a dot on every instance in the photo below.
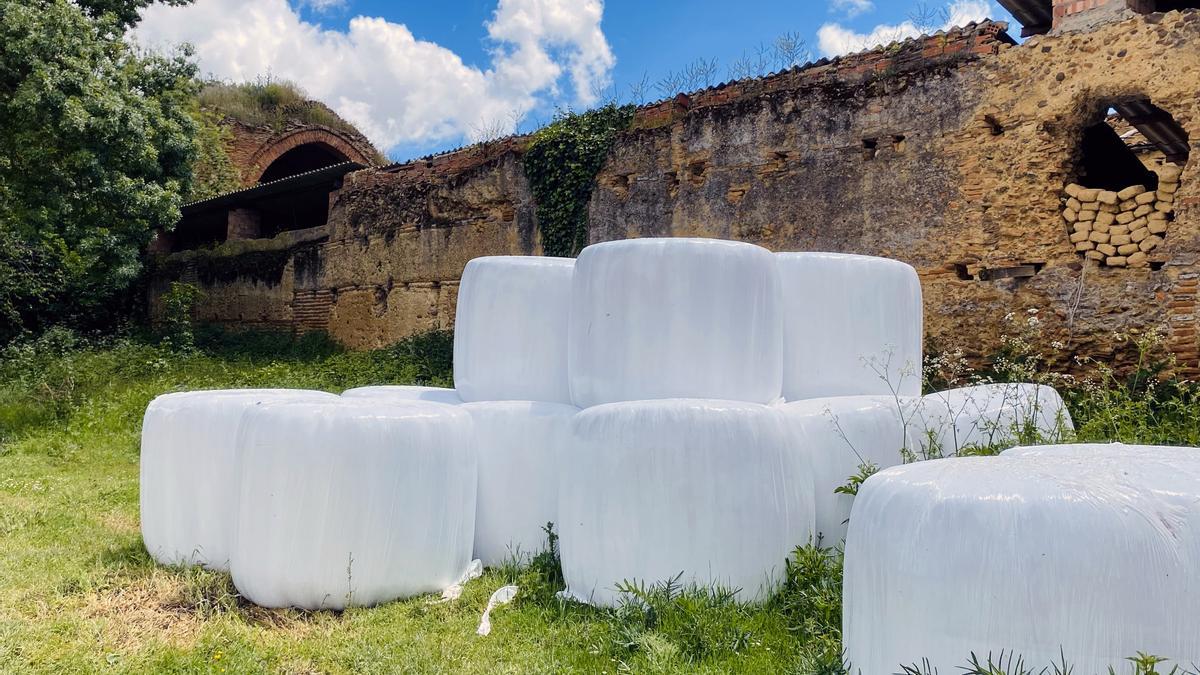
(326, 138)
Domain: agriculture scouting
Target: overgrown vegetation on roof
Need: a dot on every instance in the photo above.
(268, 102)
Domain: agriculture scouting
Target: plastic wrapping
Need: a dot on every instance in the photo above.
(1098, 556)
(353, 502)
(667, 318)
(707, 491)
(990, 414)
(406, 393)
(510, 334)
(852, 325)
(840, 435)
(1107, 451)
(519, 444)
(188, 481)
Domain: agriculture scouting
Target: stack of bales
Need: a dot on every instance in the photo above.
(1121, 229)
(677, 408)
(678, 466)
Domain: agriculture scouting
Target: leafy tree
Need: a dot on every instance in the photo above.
(96, 149)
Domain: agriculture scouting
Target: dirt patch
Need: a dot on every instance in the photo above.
(173, 607)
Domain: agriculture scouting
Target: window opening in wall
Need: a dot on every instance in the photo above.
(899, 142)
(870, 148)
(1121, 202)
(1149, 6)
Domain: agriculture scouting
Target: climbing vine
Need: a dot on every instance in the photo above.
(561, 164)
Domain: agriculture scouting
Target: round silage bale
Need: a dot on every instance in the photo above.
(406, 393)
(188, 472)
(1095, 558)
(852, 326)
(353, 502)
(675, 318)
(841, 436)
(708, 492)
(989, 415)
(520, 445)
(510, 332)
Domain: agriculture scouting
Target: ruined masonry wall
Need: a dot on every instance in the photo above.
(951, 153)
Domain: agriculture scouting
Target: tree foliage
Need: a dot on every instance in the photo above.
(96, 149)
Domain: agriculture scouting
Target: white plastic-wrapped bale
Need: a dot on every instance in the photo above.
(989, 414)
(1098, 557)
(406, 393)
(706, 491)
(353, 502)
(841, 436)
(188, 472)
(1107, 451)
(519, 444)
(852, 325)
(510, 334)
(675, 318)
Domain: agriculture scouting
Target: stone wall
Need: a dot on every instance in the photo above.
(951, 153)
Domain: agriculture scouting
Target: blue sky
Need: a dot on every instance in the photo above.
(420, 76)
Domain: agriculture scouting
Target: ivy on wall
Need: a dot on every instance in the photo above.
(561, 164)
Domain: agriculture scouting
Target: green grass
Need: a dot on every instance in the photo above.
(78, 592)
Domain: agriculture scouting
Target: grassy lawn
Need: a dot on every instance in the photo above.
(79, 593)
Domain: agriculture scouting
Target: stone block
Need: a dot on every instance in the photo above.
(1088, 195)
(1094, 255)
(1128, 249)
(1146, 198)
(1143, 210)
(1087, 214)
(1150, 243)
(1081, 226)
(1105, 219)
(1084, 246)
(1099, 237)
(1106, 249)
(1119, 239)
(1168, 197)
(1164, 207)
(1110, 208)
(1107, 197)
(1077, 237)
(1119, 229)
(1169, 188)
(1138, 259)
(1125, 217)
(1073, 190)
(1128, 205)
(1157, 226)
(1139, 234)
(1117, 261)
(1074, 204)
(1131, 192)
(1070, 215)
(1170, 173)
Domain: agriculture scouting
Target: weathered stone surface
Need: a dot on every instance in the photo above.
(990, 145)
(1106, 249)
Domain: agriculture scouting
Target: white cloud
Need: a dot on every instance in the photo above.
(834, 39)
(852, 8)
(378, 75)
(324, 5)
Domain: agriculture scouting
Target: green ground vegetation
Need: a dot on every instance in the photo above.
(78, 592)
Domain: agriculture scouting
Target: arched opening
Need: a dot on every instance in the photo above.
(1120, 203)
(302, 159)
(1150, 6)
